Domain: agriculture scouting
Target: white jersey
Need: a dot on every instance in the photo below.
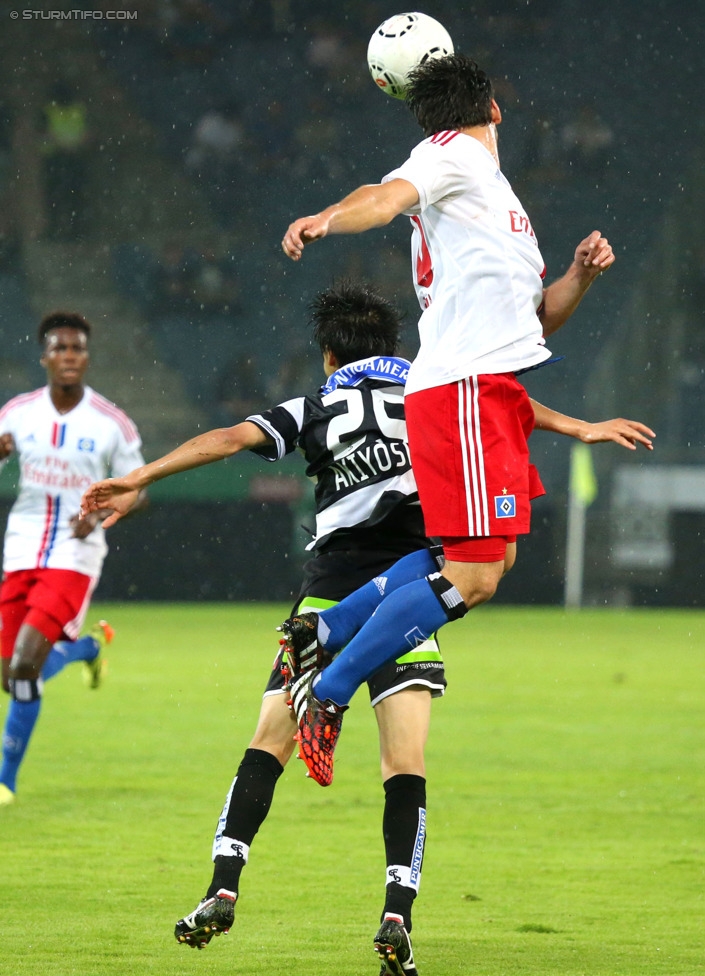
(60, 455)
(477, 268)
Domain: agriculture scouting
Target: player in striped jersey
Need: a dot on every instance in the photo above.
(65, 436)
(352, 435)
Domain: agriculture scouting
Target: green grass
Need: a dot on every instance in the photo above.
(566, 817)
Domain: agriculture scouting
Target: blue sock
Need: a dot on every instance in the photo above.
(347, 617)
(403, 620)
(19, 724)
(66, 652)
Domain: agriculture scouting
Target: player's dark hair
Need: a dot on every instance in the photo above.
(62, 320)
(354, 322)
(449, 93)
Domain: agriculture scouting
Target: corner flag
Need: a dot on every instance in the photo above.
(583, 483)
(582, 491)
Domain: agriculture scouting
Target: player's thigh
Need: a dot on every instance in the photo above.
(403, 720)
(276, 727)
(13, 609)
(476, 582)
(27, 635)
(58, 601)
(31, 650)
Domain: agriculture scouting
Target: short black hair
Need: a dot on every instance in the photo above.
(353, 322)
(449, 93)
(62, 320)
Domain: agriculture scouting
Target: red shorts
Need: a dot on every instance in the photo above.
(470, 456)
(54, 601)
(480, 549)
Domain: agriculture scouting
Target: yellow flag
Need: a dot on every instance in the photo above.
(583, 483)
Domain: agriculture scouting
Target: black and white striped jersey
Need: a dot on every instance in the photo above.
(352, 434)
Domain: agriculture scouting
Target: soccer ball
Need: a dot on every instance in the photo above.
(401, 43)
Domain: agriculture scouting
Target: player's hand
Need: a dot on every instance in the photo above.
(7, 445)
(82, 527)
(628, 433)
(303, 231)
(114, 495)
(594, 255)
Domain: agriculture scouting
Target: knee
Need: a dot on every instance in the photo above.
(482, 589)
(402, 749)
(406, 765)
(482, 594)
(23, 669)
(275, 730)
(479, 586)
(30, 653)
(282, 748)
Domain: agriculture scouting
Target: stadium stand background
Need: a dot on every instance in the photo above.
(210, 124)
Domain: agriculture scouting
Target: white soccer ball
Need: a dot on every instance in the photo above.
(401, 43)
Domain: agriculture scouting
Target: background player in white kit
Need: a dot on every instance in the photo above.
(66, 436)
(479, 277)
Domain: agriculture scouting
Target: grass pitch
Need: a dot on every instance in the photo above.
(565, 791)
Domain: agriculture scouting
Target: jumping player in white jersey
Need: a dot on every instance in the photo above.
(479, 277)
(65, 436)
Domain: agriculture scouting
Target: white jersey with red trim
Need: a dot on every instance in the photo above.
(60, 455)
(477, 268)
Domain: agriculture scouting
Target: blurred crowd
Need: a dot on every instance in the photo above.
(265, 107)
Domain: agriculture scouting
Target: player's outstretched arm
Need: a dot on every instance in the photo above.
(627, 433)
(593, 255)
(373, 205)
(120, 495)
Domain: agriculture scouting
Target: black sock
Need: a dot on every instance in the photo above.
(245, 811)
(404, 829)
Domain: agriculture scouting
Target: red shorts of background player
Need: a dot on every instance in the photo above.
(470, 457)
(53, 601)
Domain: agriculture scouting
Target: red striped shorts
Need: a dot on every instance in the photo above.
(470, 456)
(53, 601)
